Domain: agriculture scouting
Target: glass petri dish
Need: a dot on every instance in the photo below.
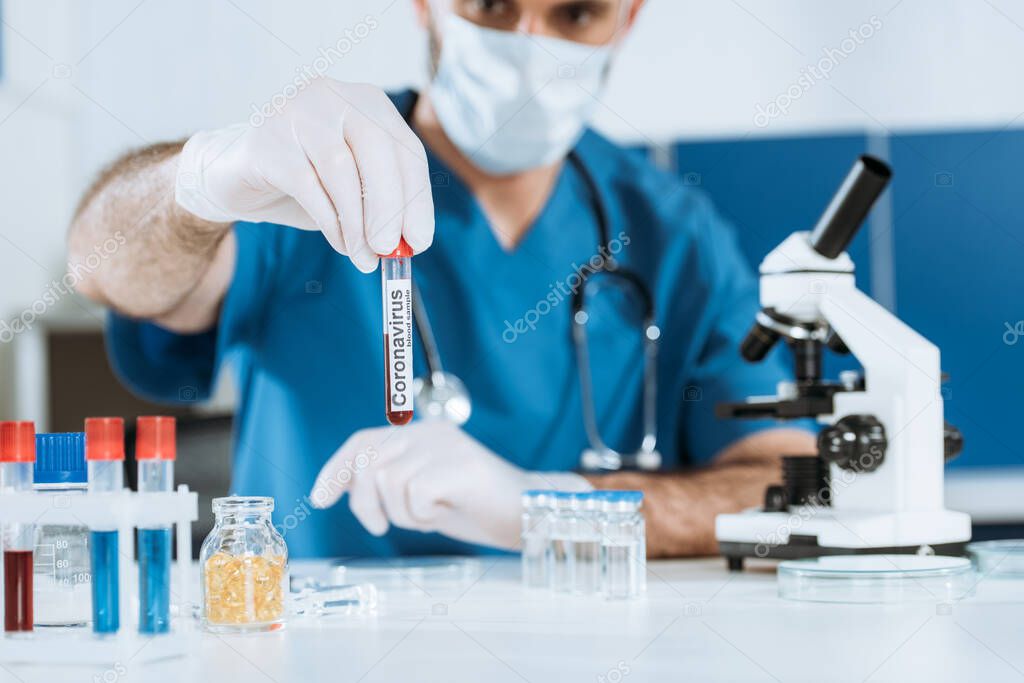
(874, 579)
(414, 574)
(1004, 558)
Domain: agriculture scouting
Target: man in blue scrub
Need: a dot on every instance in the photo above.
(250, 247)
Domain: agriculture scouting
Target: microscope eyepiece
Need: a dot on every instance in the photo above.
(848, 208)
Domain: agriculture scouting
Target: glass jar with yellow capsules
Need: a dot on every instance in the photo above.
(244, 568)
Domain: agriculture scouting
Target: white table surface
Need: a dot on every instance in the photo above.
(697, 623)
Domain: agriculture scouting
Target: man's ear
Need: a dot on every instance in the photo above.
(422, 8)
(634, 10)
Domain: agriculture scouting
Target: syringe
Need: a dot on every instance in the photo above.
(396, 291)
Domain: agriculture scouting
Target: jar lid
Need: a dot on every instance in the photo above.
(60, 459)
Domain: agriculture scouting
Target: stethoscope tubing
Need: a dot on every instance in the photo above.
(607, 457)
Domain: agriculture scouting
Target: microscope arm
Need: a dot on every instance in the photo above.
(902, 391)
(895, 358)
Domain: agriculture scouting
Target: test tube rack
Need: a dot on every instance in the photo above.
(121, 511)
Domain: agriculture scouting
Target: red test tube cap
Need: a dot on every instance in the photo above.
(403, 250)
(154, 438)
(17, 441)
(104, 438)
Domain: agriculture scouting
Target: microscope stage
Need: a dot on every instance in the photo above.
(810, 531)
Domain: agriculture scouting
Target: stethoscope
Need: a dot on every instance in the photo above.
(441, 395)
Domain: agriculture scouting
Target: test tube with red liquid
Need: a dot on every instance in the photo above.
(396, 291)
(17, 459)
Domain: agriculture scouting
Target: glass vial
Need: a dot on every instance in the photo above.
(536, 531)
(396, 294)
(155, 451)
(563, 531)
(61, 573)
(17, 455)
(104, 457)
(244, 565)
(623, 544)
(587, 544)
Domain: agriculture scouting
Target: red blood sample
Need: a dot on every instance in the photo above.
(17, 590)
(396, 295)
(395, 417)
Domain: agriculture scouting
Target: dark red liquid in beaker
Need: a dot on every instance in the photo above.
(395, 417)
(17, 590)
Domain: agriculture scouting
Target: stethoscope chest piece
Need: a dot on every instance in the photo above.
(442, 395)
(610, 460)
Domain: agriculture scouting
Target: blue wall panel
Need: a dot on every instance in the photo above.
(958, 240)
(959, 264)
(769, 188)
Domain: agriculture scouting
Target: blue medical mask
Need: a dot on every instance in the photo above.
(510, 101)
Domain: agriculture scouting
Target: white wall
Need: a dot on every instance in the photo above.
(84, 80)
(701, 68)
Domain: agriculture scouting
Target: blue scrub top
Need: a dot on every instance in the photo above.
(301, 327)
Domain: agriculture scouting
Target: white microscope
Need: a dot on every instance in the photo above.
(876, 485)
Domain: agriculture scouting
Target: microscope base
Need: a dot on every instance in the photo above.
(813, 532)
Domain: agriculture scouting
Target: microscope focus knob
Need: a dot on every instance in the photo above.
(952, 441)
(775, 499)
(758, 342)
(856, 443)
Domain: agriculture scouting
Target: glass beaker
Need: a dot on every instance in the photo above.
(61, 571)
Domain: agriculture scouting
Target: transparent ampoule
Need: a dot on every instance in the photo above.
(535, 538)
(587, 544)
(563, 532)
(623, 545)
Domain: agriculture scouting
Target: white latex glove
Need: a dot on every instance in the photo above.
(337, 158)
(432, 476)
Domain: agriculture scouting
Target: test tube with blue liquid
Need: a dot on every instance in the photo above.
(155, 452)
(104, 455)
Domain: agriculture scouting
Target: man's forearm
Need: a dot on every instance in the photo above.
(680, 508)
(162, 251)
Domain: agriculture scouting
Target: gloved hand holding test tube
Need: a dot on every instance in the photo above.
(338, 158)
